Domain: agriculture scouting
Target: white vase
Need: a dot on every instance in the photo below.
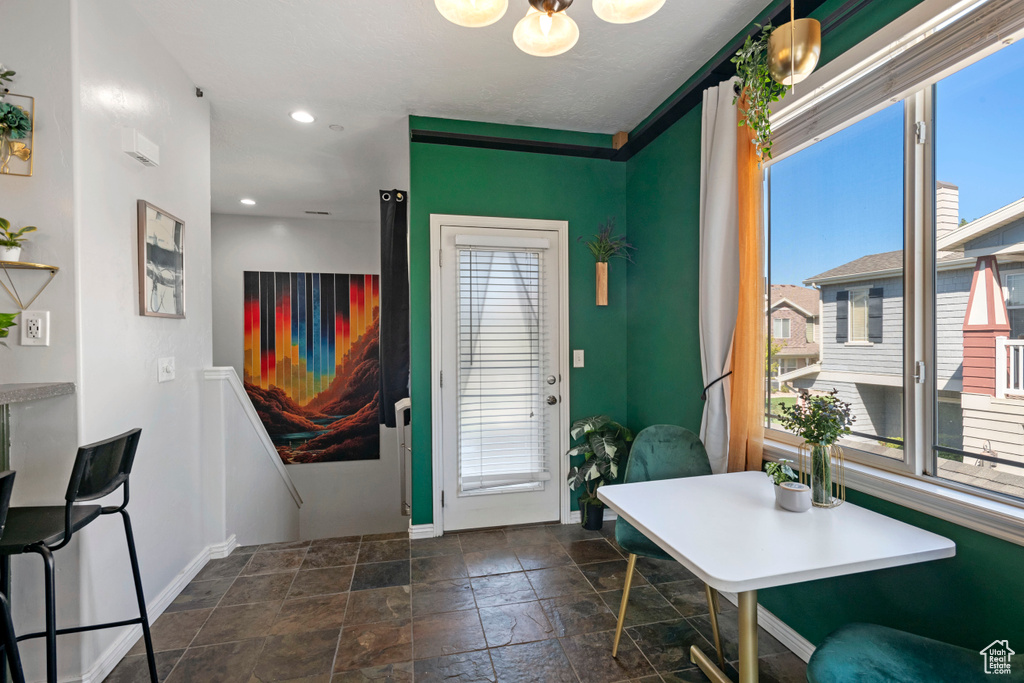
(793, 496)
(10, 253)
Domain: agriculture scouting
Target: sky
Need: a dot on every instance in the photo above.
(843, 197)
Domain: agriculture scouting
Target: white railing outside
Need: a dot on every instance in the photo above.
(1009, 367)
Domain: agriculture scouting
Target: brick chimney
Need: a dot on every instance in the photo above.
(947, 208)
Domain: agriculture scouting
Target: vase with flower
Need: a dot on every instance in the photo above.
(821, 421)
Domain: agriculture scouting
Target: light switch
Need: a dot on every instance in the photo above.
(165, 369)
(35, 328)
(577, 358)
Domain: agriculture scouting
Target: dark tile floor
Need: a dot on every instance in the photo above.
(524, 604)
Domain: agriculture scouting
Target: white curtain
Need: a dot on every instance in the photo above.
(719, 264)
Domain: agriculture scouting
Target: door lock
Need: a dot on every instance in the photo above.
(552, 400)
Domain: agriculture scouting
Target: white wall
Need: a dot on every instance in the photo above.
(339, 498)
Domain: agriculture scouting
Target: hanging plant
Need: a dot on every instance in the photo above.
(757, 89)
(6, 322)
(6, 76)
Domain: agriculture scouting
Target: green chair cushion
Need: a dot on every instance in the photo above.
(866, 653)
(659, 452)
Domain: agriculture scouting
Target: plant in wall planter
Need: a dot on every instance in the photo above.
(605, 246)
(11, 240)
(756, 89)
(603, 443)
(821, 421)
(6, 322)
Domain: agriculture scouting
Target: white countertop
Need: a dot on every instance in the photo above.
(727, 530)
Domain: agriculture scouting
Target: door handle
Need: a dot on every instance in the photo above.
(552, 400)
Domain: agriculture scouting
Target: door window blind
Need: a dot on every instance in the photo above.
(501, 360)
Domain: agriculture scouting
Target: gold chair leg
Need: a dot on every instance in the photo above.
(712, 596)
(622, 607)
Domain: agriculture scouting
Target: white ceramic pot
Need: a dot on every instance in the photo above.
(793, 496)
(10, 253)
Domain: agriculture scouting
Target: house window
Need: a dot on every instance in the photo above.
(809, 329)
(1015, 304)
(862, 192)
(780, 328)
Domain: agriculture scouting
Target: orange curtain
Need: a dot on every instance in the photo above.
(746, 428)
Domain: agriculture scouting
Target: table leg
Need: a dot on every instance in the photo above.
(748, 645)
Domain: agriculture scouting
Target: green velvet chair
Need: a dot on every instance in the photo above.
(661, 452)
(865, 653)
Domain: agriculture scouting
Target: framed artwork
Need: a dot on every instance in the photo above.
(16, 152)
(161, 263)
(311, 363)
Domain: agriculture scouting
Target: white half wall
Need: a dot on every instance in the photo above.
(339, 498)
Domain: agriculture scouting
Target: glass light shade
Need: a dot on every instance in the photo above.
(472, 13)
(626, 11)
(546, 35)
(794, 50)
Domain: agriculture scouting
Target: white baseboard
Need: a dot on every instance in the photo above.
(419, 531)
(793, 641)
(120, 647)
(576, 517)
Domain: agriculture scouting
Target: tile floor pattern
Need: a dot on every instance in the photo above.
(523, 604)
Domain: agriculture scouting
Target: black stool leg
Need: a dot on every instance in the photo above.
(51, 610)
(143, 611)
(10, 644)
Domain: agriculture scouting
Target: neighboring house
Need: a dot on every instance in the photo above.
(795, 314)
(979, 312)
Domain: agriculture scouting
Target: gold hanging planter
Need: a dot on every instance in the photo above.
(602, 283)
(794, 49)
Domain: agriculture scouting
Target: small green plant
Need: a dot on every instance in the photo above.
(821, 419)
(605, 246)
(780, 472)
(6, 322)
(6, 76)
(758, 87)
(602, 442)
(12, 239)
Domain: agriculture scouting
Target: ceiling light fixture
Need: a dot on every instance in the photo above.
(472, 13)
(626, 11)
(794, 49)
(546, 33)
(249, 202)
(303, 117)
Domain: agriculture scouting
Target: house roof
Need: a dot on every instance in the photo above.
(999, 218)
(886, 263)
(803, 299)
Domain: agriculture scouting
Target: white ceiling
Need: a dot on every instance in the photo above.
(367, 64)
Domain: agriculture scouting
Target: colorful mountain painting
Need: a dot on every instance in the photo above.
(311, 363)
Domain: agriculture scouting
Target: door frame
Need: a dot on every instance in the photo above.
(437, 221)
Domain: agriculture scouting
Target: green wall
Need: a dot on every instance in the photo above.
(479, 182)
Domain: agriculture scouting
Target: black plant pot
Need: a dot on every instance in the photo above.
(592, 515)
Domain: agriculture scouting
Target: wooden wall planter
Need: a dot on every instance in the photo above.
(602, 284)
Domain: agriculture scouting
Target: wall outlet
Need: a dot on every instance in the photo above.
(35, 328)
(577, 358)
(165, 369)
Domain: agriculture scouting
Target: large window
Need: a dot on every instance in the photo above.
(909, 224)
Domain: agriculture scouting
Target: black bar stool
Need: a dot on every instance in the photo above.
(100, 469)
(7, 640)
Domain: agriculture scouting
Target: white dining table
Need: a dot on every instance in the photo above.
(728, 531)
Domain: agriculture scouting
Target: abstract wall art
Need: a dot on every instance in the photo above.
(161, 263)
(311, 364)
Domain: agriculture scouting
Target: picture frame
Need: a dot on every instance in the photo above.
(161, 238)
(16, 156)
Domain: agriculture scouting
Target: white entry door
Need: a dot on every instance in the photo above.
(500, 378)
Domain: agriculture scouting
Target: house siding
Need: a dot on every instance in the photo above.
(885, 357)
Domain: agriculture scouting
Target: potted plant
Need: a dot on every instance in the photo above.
(790, 494)
(603, 443)
(605, 246)
(6, 322)
(756, 89)
(821, 421)
(11, 240)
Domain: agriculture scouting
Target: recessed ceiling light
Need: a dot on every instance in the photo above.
(337, 127)
(303, 117)
(249, 202)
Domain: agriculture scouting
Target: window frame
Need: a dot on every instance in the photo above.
(850, 340)
(788, 328)
(915, 480)
(1006, 294)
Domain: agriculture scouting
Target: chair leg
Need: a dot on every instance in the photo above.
(49, 579)
(143, 611)
(10, 643)
(625, 599)
(712, 596)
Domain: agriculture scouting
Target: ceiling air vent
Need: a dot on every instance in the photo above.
(318, 213)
